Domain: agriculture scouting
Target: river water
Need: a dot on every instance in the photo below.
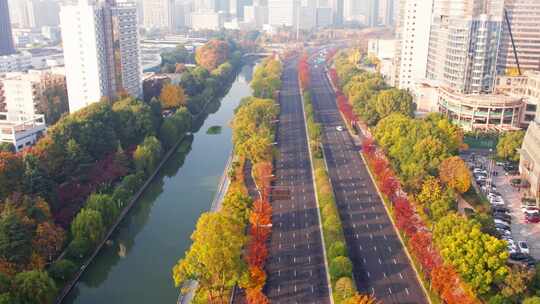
(156, 233)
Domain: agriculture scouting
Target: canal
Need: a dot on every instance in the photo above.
(136, 268)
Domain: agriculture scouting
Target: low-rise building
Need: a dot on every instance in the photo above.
(497, 112)
(24, 94)
(15, 62)
(21, 131)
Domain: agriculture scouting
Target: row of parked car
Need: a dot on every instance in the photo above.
(502, 217)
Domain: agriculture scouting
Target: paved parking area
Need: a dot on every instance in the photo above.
(521, 231)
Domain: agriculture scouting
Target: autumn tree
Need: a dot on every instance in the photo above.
(345, 288)
(48, 240)
(394, 101)
(434, 199)
(361, 299)
(508, 145)
(515, 284)
(454, 172)
(212, 54)
(479, 258)
(214, 258)
(172, 96)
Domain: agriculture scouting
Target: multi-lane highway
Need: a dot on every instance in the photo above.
(380, 264)
(296, 269)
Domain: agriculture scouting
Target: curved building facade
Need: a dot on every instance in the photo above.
(479, 111)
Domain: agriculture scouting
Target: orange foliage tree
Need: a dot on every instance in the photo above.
(212, 54)
(172, 96)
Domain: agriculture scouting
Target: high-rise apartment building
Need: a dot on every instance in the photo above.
(463, 44)
(205, 5)
(521, 29)
(283, 12)
(101, 51)
(412, 31)
(6, 37)
(372, 17)
(159, 14)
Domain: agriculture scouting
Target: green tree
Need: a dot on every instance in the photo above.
(7, 147)
(175, 127)
(105, 205)
(34, 287)
(479, 258)
(214, 258)
(237, 205)
(11, 173)
(62, 270)
(147, 155)
(508, 145)
(337, 249)
(394, 101)
(15, 238)
(88, 226)
(532, 300)
(133, 121)
(340, 267)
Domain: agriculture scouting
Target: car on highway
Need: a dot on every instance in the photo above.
(339, 128)
(523, 247)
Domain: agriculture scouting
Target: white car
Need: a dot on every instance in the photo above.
(523, 247)
(339, 128)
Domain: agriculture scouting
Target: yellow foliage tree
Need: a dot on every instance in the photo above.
(454, 172)
(172, 96)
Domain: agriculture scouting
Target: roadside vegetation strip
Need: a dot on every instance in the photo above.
(338, 264)
(221, 255)
(463, 260)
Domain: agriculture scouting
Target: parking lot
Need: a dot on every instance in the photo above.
(509, 197)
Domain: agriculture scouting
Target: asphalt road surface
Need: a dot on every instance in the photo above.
(296, 271)
(380, 264)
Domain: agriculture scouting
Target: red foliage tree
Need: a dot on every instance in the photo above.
(257, 253)
(406, 219)
(304, 72)
(422, 248)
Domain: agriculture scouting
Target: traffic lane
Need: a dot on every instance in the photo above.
(388, 268)
(299, 250)
(391, 265)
